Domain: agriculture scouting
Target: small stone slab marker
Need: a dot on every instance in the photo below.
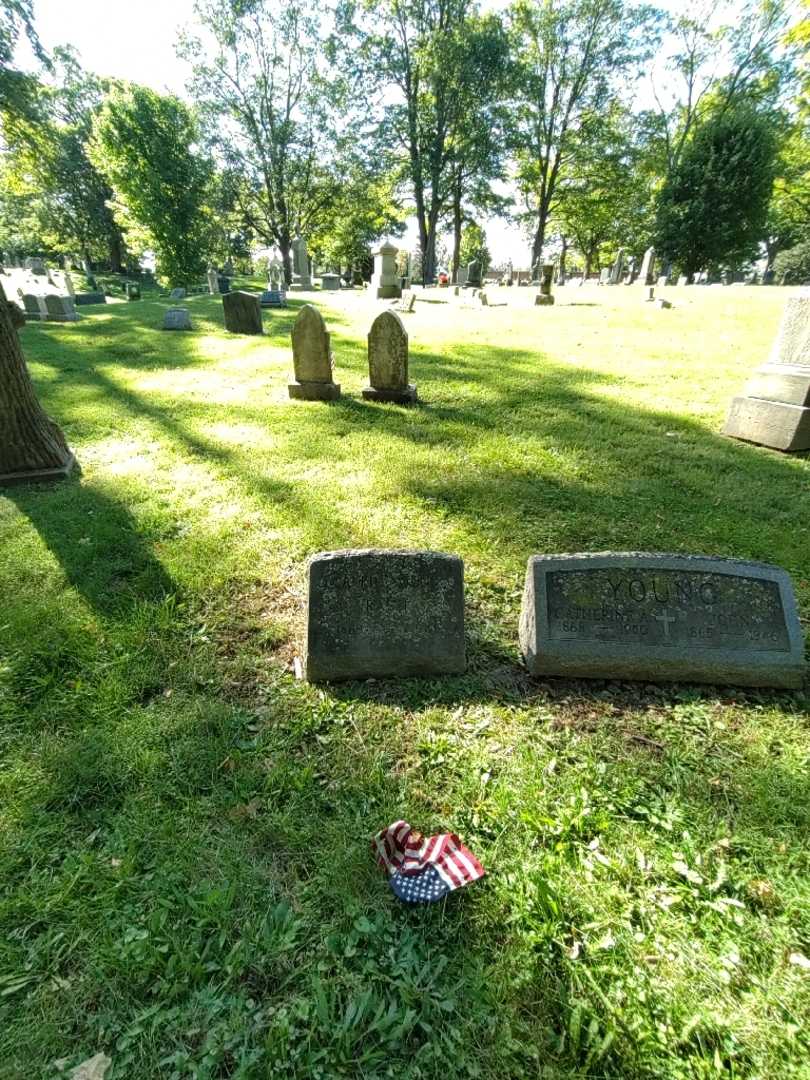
(388, 361)
(378, 613)
(544, 298)
(177, 318)
(312, 358)
(657, 617)
(243, 313)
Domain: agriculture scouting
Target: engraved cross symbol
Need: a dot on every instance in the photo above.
(666, 619)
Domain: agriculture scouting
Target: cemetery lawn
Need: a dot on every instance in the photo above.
(185, 875)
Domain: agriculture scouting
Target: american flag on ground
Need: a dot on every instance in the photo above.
(424, 869)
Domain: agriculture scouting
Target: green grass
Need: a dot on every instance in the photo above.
(186, 877)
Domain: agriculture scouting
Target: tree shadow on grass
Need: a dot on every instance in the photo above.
(98, 544)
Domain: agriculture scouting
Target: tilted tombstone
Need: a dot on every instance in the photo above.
(60, 308)
(385, 281)
(659, 617)
(213, 282)
(312, 358)
(379, 613)
(243, 313)
(177, 318)
(775, 409)
(544, 297)
(408, 301)
(388, 361)
(647, 273)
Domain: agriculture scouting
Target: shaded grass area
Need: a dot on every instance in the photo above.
(187, 880)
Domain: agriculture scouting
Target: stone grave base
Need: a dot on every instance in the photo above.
(314, 391)
(775, 424)
(788, 383)
(401, 397)
(388, 292)
(38, 475)
(543, 301)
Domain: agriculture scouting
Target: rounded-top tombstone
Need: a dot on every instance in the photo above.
(312, 358)
(388, 361)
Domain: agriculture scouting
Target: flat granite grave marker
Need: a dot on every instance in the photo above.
(388, 361)
(312, 358)
(657, 617)
(243, 313)
(376, 613)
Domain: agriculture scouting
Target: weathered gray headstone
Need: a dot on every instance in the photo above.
(683, 280)
(388, 361)
(604, 275)
(544, 297)
(661, 617)
(775, 409)
(330, 282)
(473, 275)
(85, 299)
(177, 294)
(650, 294)
(377, 613)
(60, 308)
(617, 268)
(243, 313)
(33, 308)
(408, 301)
(213, 282)
(312, 358)
(177, 318)
(647, 274)
(302, 275)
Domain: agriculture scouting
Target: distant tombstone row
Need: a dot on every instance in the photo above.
(377, 613)
(775, 409)
(313, 362)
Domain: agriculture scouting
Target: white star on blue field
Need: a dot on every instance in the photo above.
(424, 888)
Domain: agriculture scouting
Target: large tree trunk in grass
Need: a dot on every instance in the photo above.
(31, 446)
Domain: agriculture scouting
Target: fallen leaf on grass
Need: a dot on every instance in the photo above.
(95, 1068)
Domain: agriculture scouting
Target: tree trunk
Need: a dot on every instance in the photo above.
(539, 240)
(286, 261)
(456, 229)
(31, 446)
(116, 251)
(561, 264)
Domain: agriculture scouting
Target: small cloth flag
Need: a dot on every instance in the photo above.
(424, 869)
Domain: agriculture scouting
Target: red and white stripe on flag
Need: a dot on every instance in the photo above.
(401, 849)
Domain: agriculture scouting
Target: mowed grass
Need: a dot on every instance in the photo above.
(186, 880)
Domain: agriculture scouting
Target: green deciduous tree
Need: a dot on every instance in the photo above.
(713, 206)
(48, 168)
(145, 146)
(16, 87)
(269, 113)
(572, 58)
(437, 61)
(474, 246)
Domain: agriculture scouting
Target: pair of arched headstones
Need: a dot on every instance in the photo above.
(314, 364)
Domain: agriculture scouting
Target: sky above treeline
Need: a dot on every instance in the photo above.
(136, 42)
